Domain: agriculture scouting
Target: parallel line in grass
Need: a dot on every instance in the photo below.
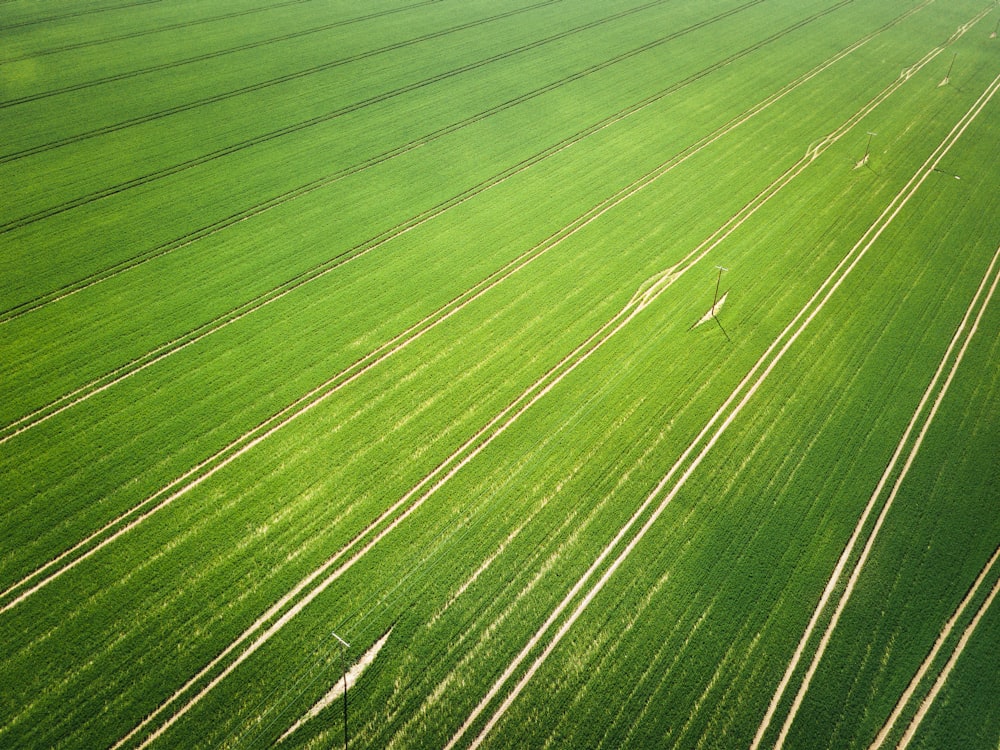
(157, 30)
(849, 549)
(644, 296)
(278, 133)
(787, 467)
(121, 524)
(134, 366)
(209, 55)
(76, 14)
(907, 695)
(20, 590)
(184, 240)
(285, 78)
(963, 334)
(365, 363)
(768, 362)
(485, 617)
(439, 548)
(928, 701)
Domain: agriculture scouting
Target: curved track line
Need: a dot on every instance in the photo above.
(834, 282)
(285, 78)
(870, 543)
(646, 294)
(207, 56)
(255, 210)
(911, 730)
(904, 699)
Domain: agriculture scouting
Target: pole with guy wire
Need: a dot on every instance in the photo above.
(343, 667)
(868, 149)
(947, 77)
(715, 299)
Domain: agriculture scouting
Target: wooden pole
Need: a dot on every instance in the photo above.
(344, 645)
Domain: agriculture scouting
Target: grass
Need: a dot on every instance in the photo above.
(191, 190)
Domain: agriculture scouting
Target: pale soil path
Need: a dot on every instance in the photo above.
(353, 675)
(646, 294)
(833, 281)
(926, 664)
(928, 701)
(962, 333)
(842, 562)
(711, 313)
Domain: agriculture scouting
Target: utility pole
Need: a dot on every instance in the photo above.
(947, 78)
(343, 667)
(715, 299)
(868, 146)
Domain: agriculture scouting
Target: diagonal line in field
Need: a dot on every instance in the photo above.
(911, 730)
(147, 32)
(829, 590)
(209, 55)
(76, 14)
(300, 406)
(185, 240)
(268, 83)
(102, 383)
(904, 699)
(835, 279)
(643, 297)
(23, 588)
(850, 549)
(295, 127)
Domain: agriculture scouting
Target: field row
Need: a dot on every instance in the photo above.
(433, 382)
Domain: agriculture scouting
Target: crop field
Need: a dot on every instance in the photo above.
(543, 373)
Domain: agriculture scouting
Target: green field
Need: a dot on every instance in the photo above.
(392, 322)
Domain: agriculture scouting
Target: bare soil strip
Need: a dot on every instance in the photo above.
(644, 296)
(115, 528)
(904, 699)
(850, 548)
(711, 313)
(911, 730)
(353, 675)
(833, 281)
